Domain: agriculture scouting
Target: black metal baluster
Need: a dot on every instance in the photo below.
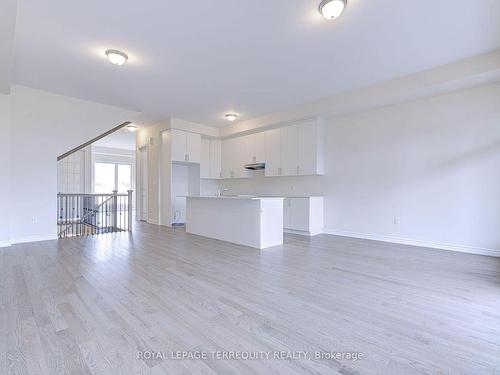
(65, 215)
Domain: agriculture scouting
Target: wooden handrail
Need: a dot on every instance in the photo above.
(93, 140)
(91, 195)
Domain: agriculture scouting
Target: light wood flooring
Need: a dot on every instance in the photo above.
(88, 305)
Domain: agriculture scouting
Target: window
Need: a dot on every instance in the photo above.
(104, 177)
(124, 178)
(112, 176)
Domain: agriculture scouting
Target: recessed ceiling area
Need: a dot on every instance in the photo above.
(195, 60)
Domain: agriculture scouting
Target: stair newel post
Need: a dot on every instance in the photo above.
(115, 210)
(129, 210)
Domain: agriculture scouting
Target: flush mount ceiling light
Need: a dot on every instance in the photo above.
(116, 57)
(231, 117)
(332, 9)
(131, 128)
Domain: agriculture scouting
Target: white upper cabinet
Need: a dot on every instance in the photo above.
(234, 158)
(185, 146)
(228, 147)
(259, 147)
(205, 158)
(215, 157)
(273, 152)
(289, 151)
(178, 144)
(255, 148)
(311, 148)
(210, 165)
(239, 159)
(193, 150)
(248, 149)
(296, 150)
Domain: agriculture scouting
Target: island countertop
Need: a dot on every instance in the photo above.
(244, 197)
(242, 219)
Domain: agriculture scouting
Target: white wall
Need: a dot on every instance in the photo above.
(434, 163)
(4, 169)
(45, 125)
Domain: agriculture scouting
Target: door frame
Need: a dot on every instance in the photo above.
(142, 152)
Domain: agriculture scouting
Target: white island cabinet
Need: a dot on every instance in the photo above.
(250, 221)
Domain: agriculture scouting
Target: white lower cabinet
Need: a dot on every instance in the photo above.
(303, 215)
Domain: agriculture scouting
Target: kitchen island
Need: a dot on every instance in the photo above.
(244, 220)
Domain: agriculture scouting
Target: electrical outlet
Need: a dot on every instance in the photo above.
(34, 220)
(397, 220)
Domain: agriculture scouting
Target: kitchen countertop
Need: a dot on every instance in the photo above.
(240, 197)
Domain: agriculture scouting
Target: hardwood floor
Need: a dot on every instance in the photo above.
(89, 305)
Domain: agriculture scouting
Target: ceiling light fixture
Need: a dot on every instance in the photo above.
(131, 128)
(332, 9)
(231, 117)
(116, 57)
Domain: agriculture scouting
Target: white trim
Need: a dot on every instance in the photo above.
(48, 237)
(413, 242)
(5, 244)
(302, 232)
(120, 152)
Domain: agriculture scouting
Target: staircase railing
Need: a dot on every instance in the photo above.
(90, 214)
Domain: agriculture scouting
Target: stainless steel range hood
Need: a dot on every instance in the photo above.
(255, 166)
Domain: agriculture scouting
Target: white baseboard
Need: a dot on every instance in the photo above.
(301, 232)
(47, 237)
(420, 243)
(5, 243)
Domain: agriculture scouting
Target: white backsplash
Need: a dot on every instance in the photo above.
(281, 186)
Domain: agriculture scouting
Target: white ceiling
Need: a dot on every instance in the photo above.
(198, 59)
(121, 139)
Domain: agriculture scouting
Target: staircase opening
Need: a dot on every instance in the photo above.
(96, 183)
